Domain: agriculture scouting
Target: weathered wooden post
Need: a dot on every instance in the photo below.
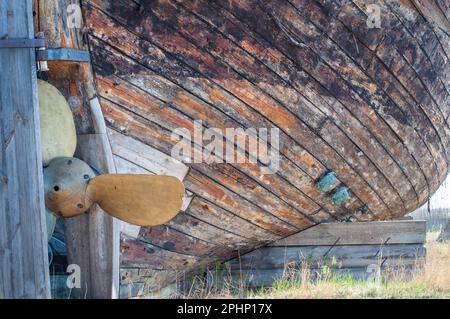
(23, 243)
(93, 239)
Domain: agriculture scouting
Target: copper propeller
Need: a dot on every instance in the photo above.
(71, 186)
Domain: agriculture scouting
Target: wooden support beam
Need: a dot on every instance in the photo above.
(93, 240)
(359, 250)
(370, 233)
(23, 241)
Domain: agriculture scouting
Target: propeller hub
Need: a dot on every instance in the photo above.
(65, 184)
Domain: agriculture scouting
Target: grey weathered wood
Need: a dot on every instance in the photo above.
(267, 277)
(52, 19)
(361, 248)
(140, 290)
(343, 256)
(445, 233)
(93, 240)
(145, 156)
(370, 233)
(23, 244)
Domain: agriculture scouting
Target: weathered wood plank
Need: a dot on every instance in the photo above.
(409, 49)
(92, 240)
(309, 17)
(345, 249)
(145, 156)
(173, 240)
(279, 187)
(207, 232)
(243, 12)
(137, 254)
(198, 184)
(371, 233)
(138, 282)
(53, 19)
(312, 68)
(353, 16)
(23, 244)
(183, 222)
(206, 188)
(426, 37)
(266, 278)
(98, 252)
(351, 256)
(207, 211)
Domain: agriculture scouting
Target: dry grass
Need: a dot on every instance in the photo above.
(431, 281)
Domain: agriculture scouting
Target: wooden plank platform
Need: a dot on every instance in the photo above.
(358, 250)
(372, 233)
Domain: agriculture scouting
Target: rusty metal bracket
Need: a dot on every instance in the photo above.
(22, 43)
(47, 54)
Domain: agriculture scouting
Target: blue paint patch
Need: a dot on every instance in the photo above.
(340, 195)
(327, 182)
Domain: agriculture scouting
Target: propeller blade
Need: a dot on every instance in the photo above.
(144, 200)
(58, 135)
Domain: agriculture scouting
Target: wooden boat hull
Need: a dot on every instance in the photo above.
(368, 105)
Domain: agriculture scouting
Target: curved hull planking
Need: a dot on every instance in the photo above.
(362, 111)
